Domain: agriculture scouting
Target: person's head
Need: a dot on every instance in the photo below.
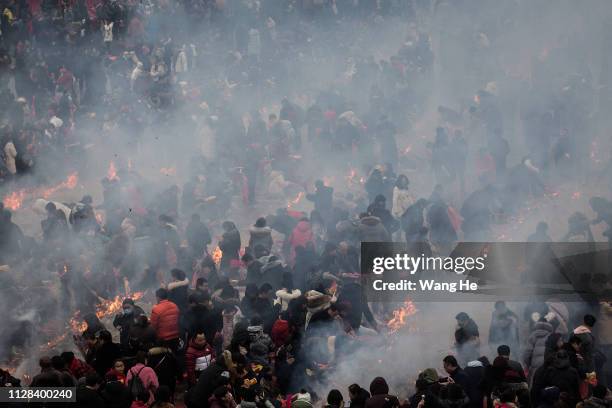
(92, 380)
(319, 184)
(380, 201)
(202, 284)
(334, 398)
(589, 320)
(128, 306)
(260, 223)
(247, 258)
(199, 339)
(250, 291)
(105, 337)
(67, 356)
(575, 342)
(141, 357)
(503, 351)
(354, 390)
(178, 275)
(119, 366)
(500, 306)
(402, 182)
(161, 294)
(462, 318)
(45, 363)
(228, 226)
(450, 364)
(50, 208)
(265, 291)
(58, 363)
(600, 391)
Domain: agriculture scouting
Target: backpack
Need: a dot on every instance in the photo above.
(135, 385)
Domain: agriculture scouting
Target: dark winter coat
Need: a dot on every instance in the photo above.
(371, 229)
(535, 349)
(260, 236)
(380, 395)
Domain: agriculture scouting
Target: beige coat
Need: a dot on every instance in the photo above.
(10, 154)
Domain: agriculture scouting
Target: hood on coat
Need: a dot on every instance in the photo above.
(542, 329)
(260, 230)
(379, 386)
(582, 330)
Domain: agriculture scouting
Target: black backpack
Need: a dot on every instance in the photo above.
(135, 385)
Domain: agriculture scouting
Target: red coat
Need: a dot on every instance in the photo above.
(301, 236)
(193, 353)
(165, 320)
(280, 332)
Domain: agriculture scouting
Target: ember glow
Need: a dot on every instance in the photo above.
(15, 200)
(401, 315)
(216, 256)
(296, 200)
(111, 173)
(109, 308)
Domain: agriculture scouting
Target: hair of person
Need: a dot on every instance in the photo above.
(106, 336)
(141, 357)
(266, 287)
(67, 356)
(589, 320)
(260, 222)
(334, 397)
(161, 293)
(92, 379)
(451, 361)
(503, 350)
(201, 281)
(44, 362)
(178, 274)
(57, 362)
(574, 339)
(354, 389)
(220, 392)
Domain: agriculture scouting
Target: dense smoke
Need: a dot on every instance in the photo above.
(497, 109)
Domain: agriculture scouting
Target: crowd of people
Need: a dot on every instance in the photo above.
(291, 126)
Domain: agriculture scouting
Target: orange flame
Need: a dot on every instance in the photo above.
(15, 200)
(400, 315)
(111, 173)
(110, 307)
(216, 255)
(296, 200)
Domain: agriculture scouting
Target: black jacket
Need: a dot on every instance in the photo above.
(116, 395)
(88, 398)
(208, 381)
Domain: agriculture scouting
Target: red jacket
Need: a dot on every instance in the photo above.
(79, 368)
(301, 235)
(193, 353)
(280, 332)
(165, 320)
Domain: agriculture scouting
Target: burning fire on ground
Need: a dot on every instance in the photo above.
(15, 200)
(111, 173)
(216, 256)
(401, 315)
(296, 200)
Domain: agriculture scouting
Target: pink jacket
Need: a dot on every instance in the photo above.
(147, 376)
(301, 235)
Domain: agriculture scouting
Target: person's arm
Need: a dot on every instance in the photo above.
(154, 319)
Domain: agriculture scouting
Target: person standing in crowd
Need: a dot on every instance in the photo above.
(165, 319)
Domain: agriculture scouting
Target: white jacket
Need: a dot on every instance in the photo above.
(283, 297)
(402, 199)
(10, 153)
